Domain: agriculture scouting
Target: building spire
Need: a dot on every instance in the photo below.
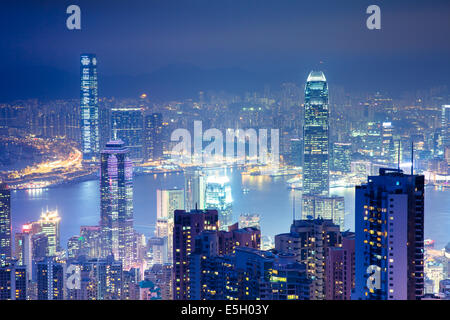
(293, 208)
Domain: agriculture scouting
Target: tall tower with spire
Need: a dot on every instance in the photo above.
(315, 136)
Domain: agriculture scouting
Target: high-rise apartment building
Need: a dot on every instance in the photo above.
(389, 225)
(340, 269)
(13, 282)
(50, 279)
(188, 225)
(99, 279)
(309, 241)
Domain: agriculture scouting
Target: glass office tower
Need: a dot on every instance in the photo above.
(315, 136)
(90, 144)
(5, 225)
(116, 204)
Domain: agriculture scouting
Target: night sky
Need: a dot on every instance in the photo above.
(172, 49)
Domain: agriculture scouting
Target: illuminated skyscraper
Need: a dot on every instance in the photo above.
(194, 189)
(315, 136)
(127, 124)
(5, 225)
(389, 245)
(187, 225)
(153, 136)
(342, 157)
(332, 208)
(309, 241)
(23, 248)
(100, 279)
(90, 142)
(49, 223)
(340, 269)
(218, 196)
(116, 204)
(167, 201)
(50, 279)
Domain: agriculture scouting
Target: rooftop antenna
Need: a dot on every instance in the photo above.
(412, 157)
(398, 156)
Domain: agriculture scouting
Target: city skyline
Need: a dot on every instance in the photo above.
(135, 161)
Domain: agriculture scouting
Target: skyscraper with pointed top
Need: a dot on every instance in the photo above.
(315, 136)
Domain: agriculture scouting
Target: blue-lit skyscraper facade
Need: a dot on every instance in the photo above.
(5, 225)
(116, 204)
(315, 136)
(90, 142)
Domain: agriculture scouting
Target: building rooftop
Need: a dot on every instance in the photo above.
(316, 76)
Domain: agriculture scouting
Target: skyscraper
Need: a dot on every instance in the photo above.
(23, 248)
(187, 225)
(90, 142)
(50, 279)
(167, 201)
(153, 136)
(127, 124)
(116, 204)
(5, 225)
(49, 223)
(342, 157)
(332, 208)
(389, 245)
(340, 269)
(13, 282)
(100, 279)
(445, 118)
(218, 196)
(194, 189)
(315, 136)
(309, 241)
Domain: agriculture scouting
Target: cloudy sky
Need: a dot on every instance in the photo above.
(274, 41)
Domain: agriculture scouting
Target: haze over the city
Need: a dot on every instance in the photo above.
(173, 49)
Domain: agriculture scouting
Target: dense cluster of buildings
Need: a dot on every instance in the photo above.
(198, 251)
